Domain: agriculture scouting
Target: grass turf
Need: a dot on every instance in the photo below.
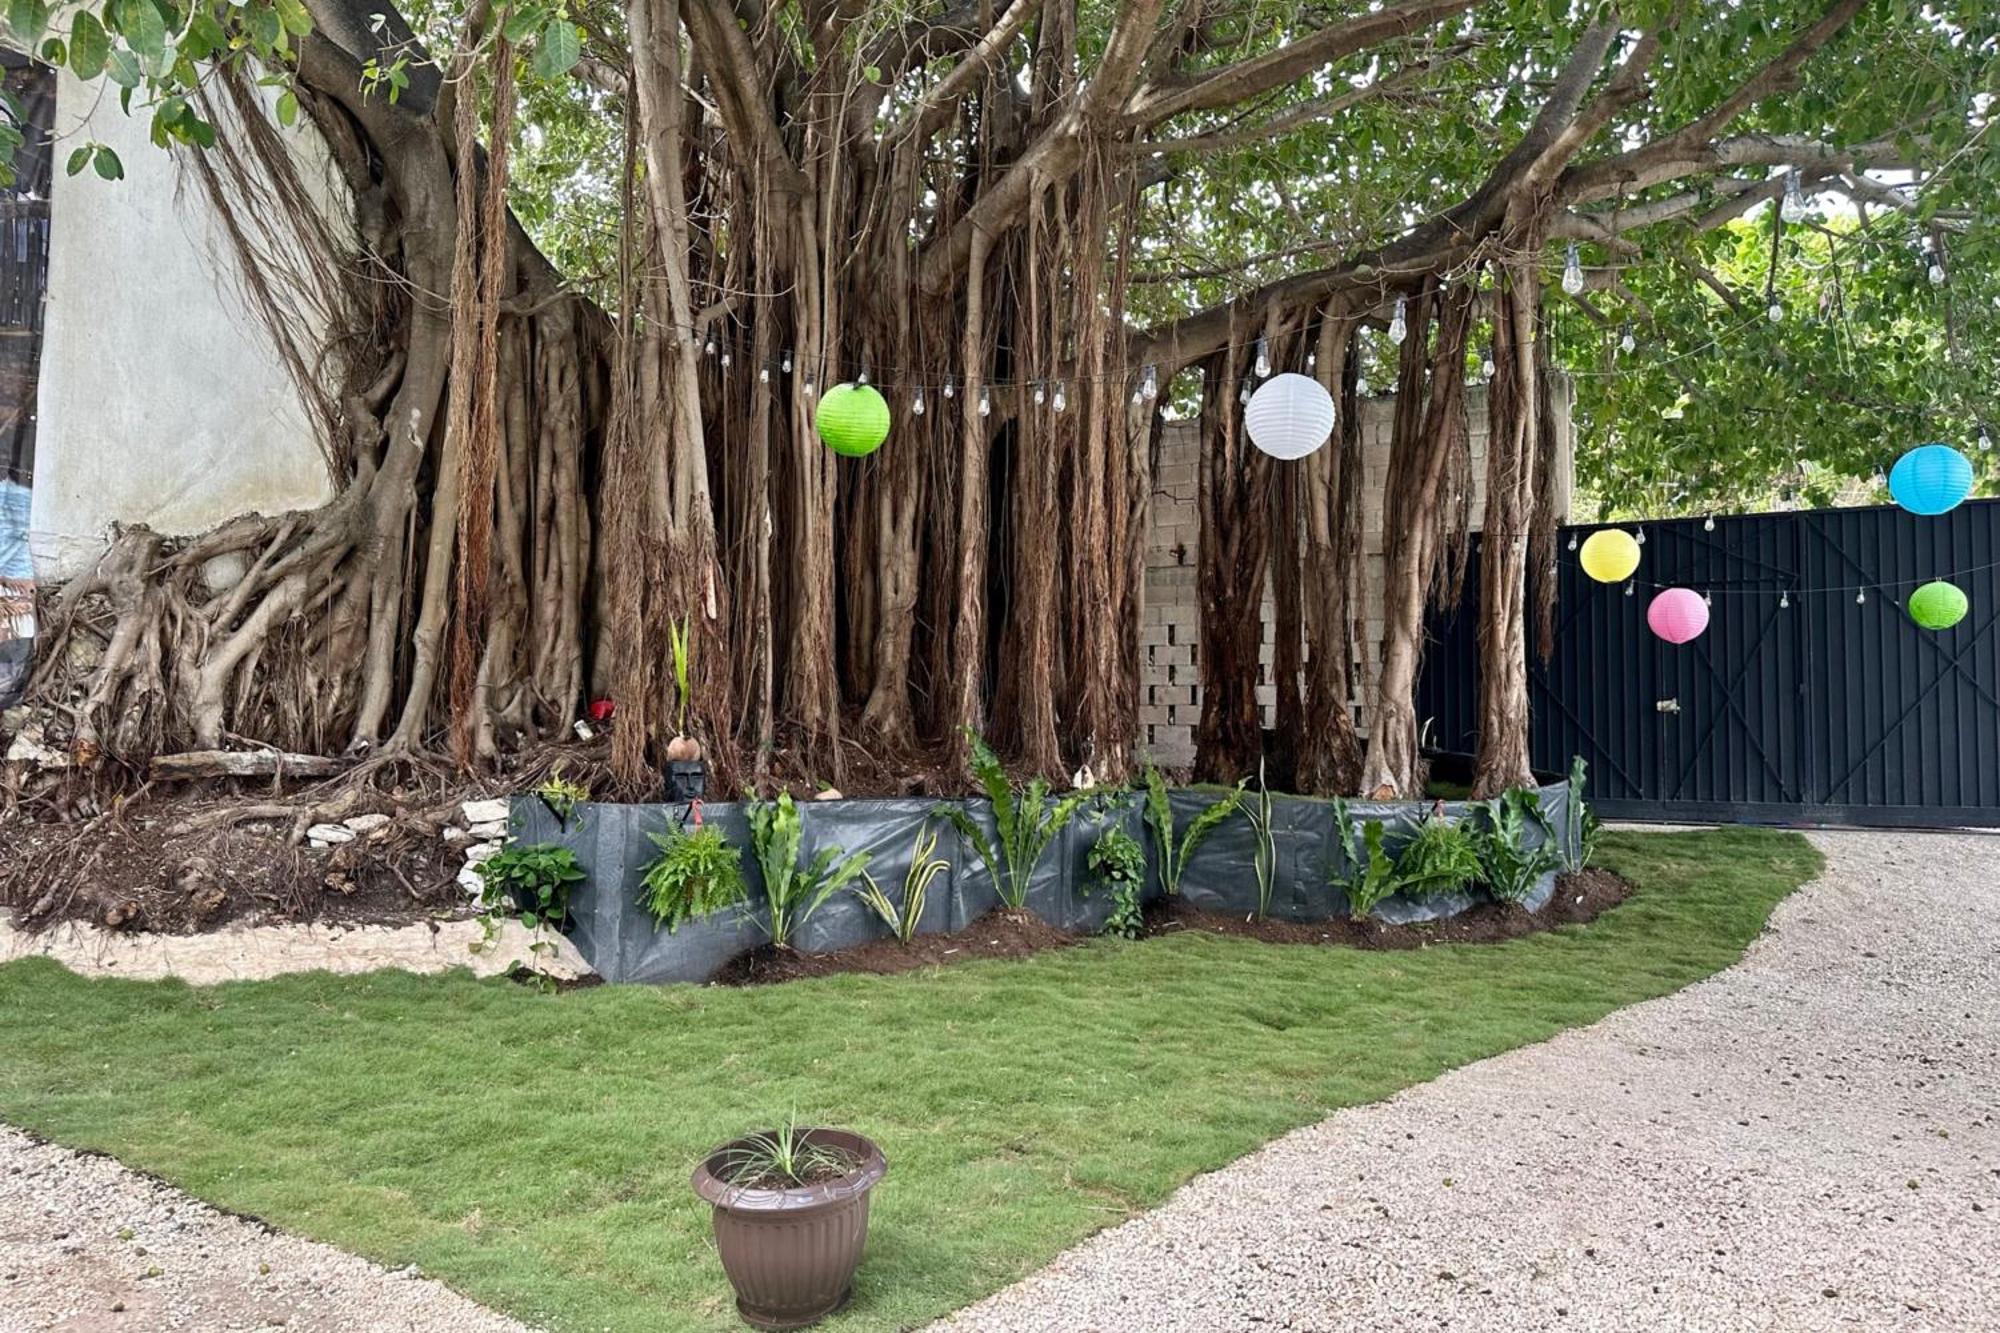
(533, 1150)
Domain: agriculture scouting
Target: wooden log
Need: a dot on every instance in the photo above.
(193, 765)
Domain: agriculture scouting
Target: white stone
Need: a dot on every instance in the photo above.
(485, 832)
(326, 835)
(479, 853)
(455, 834)
(469, 880)
(485, 812)
(367, 823)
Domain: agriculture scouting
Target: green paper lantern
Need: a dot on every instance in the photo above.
(853, 419)
(1937, 606)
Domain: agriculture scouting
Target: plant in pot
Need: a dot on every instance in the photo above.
(790, 1209)
(687, 777)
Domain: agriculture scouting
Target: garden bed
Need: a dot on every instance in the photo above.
(614, 844)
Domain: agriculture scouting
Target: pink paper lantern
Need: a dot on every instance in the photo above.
(1678, 615)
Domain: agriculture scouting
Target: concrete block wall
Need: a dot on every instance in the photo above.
(1170, 624)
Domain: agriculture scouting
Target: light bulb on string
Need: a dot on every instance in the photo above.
(763, 374)
(1626, 341)
(1776, 311)
(1312, 361)
(1243, 394)
(1399, 326)
(1572, 541)
(1041, 393)
(1639, 536)
(1572, 271)
(811, 389)
(1149, 383)
(1785, 600)
(1628, 588)
(1708, 524)
(1486, 367)
(725, 359)
(863, 377)
(917, 404)
(985, 401)
(1934, 267)
(1708, 599)
(786, 364)
(950, 389)
(1361, 387)
(1985, 438)
(709, 346)
(1794, 207)
(1861, 597)
(1061, 399)
(1263, 358)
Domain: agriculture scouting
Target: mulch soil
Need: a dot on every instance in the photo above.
(1579, 897)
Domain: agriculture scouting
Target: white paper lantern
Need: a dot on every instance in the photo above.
(1289, 416)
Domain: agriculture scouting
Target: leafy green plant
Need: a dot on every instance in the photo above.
(1025, 823)
(677, 641)
(784, 1158)
(1584, 828)
(903, 916)
(1264, 857)
(532, 880)
(561, 795)
(1118, 864)
(1370, 873)
(795, 892)
(1440, 857)
(1160, 821)
(1509, 865)
(696, 873)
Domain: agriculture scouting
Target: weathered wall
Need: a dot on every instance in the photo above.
(161, 400)
(1170, 635)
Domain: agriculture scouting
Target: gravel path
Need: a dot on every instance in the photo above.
(88, 1246)
(1810, 1140)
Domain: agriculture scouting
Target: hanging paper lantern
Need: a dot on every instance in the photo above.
(1678, 615)
(1937, 605)
(853, 419)
(1289, 416)
(1610, 556)
(1931, 479)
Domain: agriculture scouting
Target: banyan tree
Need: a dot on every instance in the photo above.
(1048, 222)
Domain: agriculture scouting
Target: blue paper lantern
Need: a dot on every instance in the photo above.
(1931, 479)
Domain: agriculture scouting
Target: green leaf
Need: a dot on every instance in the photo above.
(123, 69)
(558, 50)
(55, 51)
(288, 108)
(29, 19)
(144, 30)
(78, 160)
(89, 45)
(107, 164)
(523, 21)
(294, 16)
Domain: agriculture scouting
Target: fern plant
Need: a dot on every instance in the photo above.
(795, 892)
(1024, 822)
(696, 873)
(561, 796)
(1509, 865)
(1160, 822)
(1370, 872)
(903, 916)
(1118, 865)
(1440, 857)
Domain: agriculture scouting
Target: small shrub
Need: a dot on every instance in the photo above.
(1160, 821)
(696, 873)
(1440, 857)
(1510, 867)
(1119, 865)
(533, 881)
(1370, 873)
(795, 892)
(785, 1158)
(1585, 830)
(561, 795)
(1264, 858)
(1024, 822)
(904, 916)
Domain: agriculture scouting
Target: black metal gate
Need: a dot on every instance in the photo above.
(1811, 696)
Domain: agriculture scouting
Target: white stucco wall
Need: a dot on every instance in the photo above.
(161, 399)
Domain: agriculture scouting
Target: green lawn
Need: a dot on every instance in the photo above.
(533, 1150)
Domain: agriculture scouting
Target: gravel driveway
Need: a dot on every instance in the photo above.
(88, 1246)
(1810, 1140)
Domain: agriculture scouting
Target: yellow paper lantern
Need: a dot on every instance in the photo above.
(1610, 556)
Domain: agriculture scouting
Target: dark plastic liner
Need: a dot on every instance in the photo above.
(619, 939)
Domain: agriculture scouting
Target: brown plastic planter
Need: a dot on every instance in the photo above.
(791, 1254)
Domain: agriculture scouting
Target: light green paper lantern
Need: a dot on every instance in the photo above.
(853, 419)
(1937, 605)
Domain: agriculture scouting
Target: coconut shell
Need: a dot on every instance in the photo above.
(682, 749)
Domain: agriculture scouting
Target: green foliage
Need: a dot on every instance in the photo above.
(1440, 857)
(1366, 874)
(1118, 864)
(561, 795)
(1264, 859)
(1510, 866)
(677, 640)
(1160, 822)
(618, 1090)
(785, 1158)
(1025, 823)
(795, 892)
(1584, 830)
(533, 880)
(697, 873)
(902, 916)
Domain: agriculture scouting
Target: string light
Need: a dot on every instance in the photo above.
(812, 389)
(1985, 438)
(1149, 383)
(1708, 524)
(864, 373)
(1785, 600)
(1041, 393)
(1627, 342)
(917, 404)
(725, 358)
(1708, 599)
(1572, 541)
(1486, 367)
(1794, 207)
(1639, 535)
(1777, 310)
(1399, 326)
(1263, 358)
(950, 387)
(763, 374)
(985, 402)
(709, 346)
(1934, 267)
(1061, 399)
(1861, 597)
(786, 365)
(1243, 394)
(1628, 588)
(1572, 271)
(1361, 387)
